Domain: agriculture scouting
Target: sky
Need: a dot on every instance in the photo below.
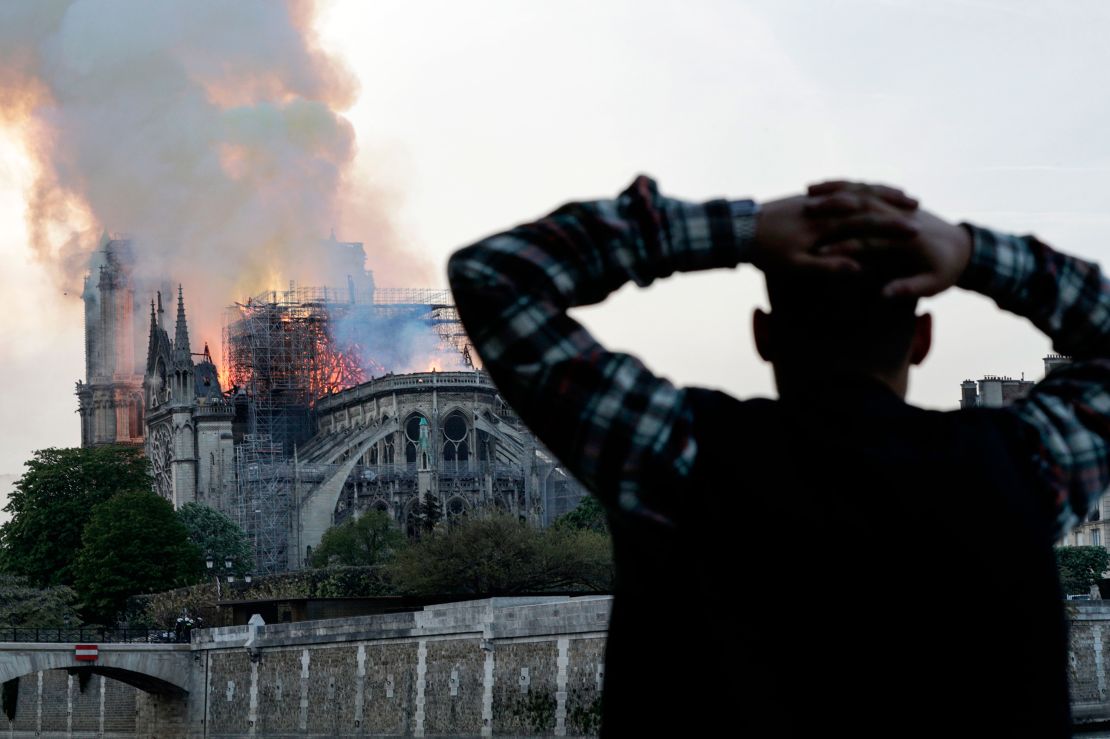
(474, 116)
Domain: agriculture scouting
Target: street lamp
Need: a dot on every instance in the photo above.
(210, 564)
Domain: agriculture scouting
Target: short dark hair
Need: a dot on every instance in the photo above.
(843, 317)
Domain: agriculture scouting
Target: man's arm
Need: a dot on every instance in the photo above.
(1068, 299)
(624, 432)
(604, 414)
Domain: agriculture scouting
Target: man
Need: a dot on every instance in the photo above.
(900, 525)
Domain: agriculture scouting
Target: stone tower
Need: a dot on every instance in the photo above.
(110, 400)
(189, 437)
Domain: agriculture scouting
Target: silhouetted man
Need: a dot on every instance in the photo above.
(922, 541)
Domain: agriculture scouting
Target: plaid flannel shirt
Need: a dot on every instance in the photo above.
(1069, 410)
(627, 433)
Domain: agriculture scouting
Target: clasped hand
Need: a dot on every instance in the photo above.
(835, 224)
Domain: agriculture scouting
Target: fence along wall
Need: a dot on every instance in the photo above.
(490, 667)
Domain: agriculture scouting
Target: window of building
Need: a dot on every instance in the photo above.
(416, 440)
(456, 449)
(456, 507)
(1096, 538)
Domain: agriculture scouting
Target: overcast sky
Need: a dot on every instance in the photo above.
(474, 116)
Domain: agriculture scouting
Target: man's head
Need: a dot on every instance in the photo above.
(822, 322)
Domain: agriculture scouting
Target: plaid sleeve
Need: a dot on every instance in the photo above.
(1068, 411)
(624, 432)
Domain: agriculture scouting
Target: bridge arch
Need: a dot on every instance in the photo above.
(162, 669)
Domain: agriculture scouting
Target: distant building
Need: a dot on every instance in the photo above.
(994, 391)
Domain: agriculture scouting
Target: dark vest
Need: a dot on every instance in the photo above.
(842, 562)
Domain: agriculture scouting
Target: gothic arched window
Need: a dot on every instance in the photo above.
(416, 440)
(456, 449)
(456, 508)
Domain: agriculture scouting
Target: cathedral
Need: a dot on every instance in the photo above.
(315, 428)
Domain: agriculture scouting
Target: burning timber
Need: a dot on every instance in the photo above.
(287, 349)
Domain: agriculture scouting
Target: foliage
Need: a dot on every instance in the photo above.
(50, 506)
(428, 513)
(500, 555)
(1081, 567)
(22, 604)
(587, 515)
(133, 543)
(349, 582)
(368, 540)
(322, 582)
(212, 532)
(161, 610)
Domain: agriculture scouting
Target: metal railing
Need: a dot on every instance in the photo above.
(92, 635)
(440, 380)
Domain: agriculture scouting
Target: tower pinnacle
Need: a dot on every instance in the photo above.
(181, 333)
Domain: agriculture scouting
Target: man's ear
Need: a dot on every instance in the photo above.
(922, 338)
(761, 330)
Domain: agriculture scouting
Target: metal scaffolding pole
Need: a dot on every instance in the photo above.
(286, 349)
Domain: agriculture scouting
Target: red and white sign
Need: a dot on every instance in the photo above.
(85, 652)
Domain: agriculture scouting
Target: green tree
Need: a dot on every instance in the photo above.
(428, 513)
(588, 515)
(1081, 567)
(370, 539)
(50, 506)
(133, 543)
(212, 532)
(22, 604)
(501, 555)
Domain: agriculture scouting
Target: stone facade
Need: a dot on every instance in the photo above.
(54, 703)
(110, 400)
(189, 437)
(440, 438)
(514, 667)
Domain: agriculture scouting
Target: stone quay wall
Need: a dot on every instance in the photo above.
(516, 667)
(503, 666)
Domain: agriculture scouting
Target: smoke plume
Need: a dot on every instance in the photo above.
(208, 131)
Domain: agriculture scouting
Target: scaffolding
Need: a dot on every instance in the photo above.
(281, 350)
(264, 500)
(286, 349)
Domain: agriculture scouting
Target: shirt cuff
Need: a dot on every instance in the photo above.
(745, 216)
(999, 264)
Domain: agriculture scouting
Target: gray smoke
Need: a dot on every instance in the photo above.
(206, 130)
